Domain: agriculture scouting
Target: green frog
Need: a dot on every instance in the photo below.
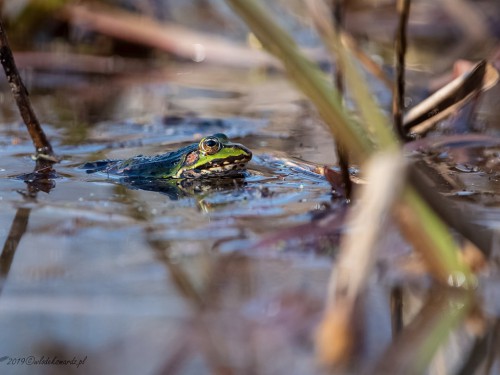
(213, 156)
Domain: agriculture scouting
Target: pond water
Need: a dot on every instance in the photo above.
(133, 280)
(114, 274)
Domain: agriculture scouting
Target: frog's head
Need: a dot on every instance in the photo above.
(215, 156)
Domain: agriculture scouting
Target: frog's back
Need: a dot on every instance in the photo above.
(97, 166)
(160, 166)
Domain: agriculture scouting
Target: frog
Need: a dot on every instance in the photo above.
(212, 156)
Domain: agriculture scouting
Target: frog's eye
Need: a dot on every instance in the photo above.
(210, 145)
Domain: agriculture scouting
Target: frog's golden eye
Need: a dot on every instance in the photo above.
(210, 145)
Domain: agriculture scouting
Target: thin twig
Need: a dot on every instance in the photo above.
(399, 84)
(342, 154)
(42, 145)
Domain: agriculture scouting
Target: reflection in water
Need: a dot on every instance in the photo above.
(484, 351)
(41, 179)
(396, 310)
(443, 310)
(17, 230)
(179, 188)
(214, 348)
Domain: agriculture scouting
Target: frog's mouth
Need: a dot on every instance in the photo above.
(219, 167)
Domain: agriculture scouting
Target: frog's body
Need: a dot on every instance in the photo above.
(213, 156)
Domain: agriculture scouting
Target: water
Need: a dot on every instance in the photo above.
(114, 274)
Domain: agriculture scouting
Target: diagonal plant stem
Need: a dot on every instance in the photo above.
(44, 151)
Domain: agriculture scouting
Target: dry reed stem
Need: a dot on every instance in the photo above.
(349, 278)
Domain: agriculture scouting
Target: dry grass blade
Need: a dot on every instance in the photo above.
(385, 176)
(357, 257)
